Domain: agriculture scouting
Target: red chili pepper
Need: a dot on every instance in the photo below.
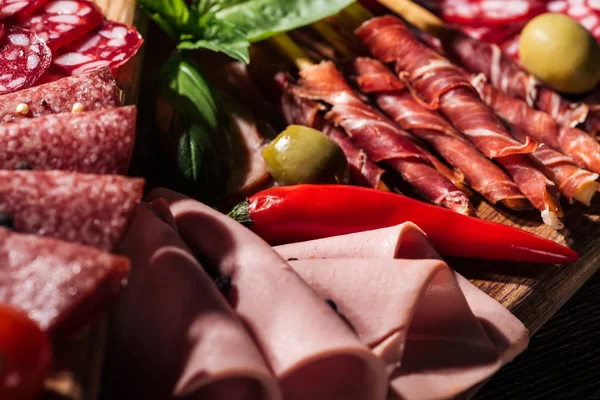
(304, 212)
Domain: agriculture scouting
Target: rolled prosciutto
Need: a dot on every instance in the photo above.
(300, 111)
(509, 77)
(381, 139)
(311, 351)
(441, 84)
(60, 285)
(574, 182)
(423, 320)
(173, 333)
(394, 99)
(583, 148)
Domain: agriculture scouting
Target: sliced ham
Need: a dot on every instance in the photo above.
(381, 139)
(173, 333)
(60, 285)
(509, 77)
(485, 177)
(89, 209)
(441, 84)
(582, 147)
(310, 350)
(438, 334)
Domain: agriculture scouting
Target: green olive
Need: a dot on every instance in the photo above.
(561, 53)
(304, 155)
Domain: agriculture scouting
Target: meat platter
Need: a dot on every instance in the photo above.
(326, 136)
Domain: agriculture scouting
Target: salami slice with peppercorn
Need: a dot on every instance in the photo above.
(62, 21)
(99, 142)
(490, 12)
(59, 285)
(89, 209)
(24, 58)
(111, 45)
(19, 8)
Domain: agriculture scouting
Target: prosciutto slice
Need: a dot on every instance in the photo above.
(172, 320)
(571, 141)
(509, 77)
(416, 309)
(574, 182)
(374, 78)
(442, 85)
(300, 111)
(378, 136)
(60, 285)
(310, 350)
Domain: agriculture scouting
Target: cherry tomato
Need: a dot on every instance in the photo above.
(25, 355)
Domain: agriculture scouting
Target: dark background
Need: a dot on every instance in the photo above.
(563, 358)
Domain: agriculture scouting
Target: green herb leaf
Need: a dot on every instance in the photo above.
(196, 133)
(260, 19)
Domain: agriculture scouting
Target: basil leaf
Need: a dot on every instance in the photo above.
(260, 19)
(196, 133)
(170, 15)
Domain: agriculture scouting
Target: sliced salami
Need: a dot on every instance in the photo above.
(490, 12)
(24, 58)
(62, 21)
(59, 285)
(98, 142)
(493, 34)
(19, 8)
(89, 209)
(111, 45)
(93, 91)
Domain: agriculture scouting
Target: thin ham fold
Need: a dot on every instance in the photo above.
(393, 98)
(583, 148)
(299, 111)
(311, 351)
(438, 334)
(172, 320)
(509, 77)
(381, 139)
(440, 85)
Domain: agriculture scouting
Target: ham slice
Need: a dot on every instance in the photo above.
(485, 177)
(509, 77)
(381, 139)
(60, 285)
(173, 333)
(571, 141)
(417, 308)
(442, 85)
(310, 350)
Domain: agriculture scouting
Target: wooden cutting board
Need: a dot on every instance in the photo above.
(77, 377)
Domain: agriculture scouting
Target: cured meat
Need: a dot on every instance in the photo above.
(93, 91)
(19, 8)
(584, 149)
(574, 183)
(442, 85)
(62, 21)
(171, 311)
(60, 285)
(378, 136)
(493, 34)
(433, 342)
(508, 76)
(395, 100)
(299, 111)
(111, 45)
(301, 337)
(24, 58)
(99, 142)
(490, 12)
(90, 209)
